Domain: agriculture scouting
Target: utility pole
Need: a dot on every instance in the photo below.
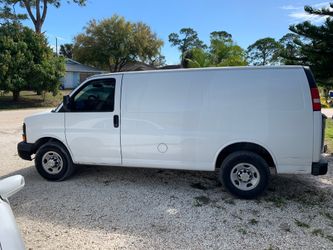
(56, 46)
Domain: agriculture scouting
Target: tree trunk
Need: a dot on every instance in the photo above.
(38, 28)
(39, 18)
(38, 92)
(44, 96)
(16, 95)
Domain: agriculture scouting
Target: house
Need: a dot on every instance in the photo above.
(77, 73)
(140, 66)
(137, 66)
(173, 66)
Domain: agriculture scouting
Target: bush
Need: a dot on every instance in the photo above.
(27, 62)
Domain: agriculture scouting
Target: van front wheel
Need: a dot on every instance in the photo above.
(53, 162)
(244, 174)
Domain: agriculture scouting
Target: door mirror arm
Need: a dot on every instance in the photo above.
(67, 103)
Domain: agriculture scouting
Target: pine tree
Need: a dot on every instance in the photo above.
(317, 44)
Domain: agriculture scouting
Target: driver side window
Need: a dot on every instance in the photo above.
(96, 96)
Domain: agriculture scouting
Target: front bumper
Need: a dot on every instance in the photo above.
(25, 150)
(319, 168)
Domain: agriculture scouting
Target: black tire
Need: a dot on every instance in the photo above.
(60, 153)
(250, 175)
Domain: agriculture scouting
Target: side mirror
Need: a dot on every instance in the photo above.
(67, 103)
(11, 185)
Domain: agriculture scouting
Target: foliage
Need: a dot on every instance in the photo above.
(329, 135)
(290, 52)
(6, 12)
(66, 50)
(26, 61)
(222, 52)
(186, 40)
(197, 58)
(317, 44)
(114, 42)
(39, 6)
(264, 51)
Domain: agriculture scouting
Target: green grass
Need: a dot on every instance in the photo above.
(327, 215)
(329, 135)
(29, 99)
(318, 232)
(242, 231)
(301, 224)
(278, 201)
(200, 201)
(253, 221)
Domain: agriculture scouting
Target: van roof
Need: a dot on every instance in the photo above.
(201, 69)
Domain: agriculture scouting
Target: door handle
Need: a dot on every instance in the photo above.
(116, 121)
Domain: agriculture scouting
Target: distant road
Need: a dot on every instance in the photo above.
(327, 112)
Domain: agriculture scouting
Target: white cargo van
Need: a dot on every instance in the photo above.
(248, 122)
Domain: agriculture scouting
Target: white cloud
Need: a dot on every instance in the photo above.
(303, 16)
(290, 7)
(297, 13)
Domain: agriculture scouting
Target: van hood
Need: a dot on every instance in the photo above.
(33, 116)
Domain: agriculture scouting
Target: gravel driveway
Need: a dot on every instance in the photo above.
(123, 208)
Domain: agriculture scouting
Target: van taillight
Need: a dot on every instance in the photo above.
(316, 106)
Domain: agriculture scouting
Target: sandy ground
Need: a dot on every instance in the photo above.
(122, 208)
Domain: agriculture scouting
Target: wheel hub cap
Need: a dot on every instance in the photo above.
(52, 162)
(245, 176)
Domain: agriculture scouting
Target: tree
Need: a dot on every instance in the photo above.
(223, 51)
(40, 8)
(114, 42)
(197, 58)
(66, 50)
(26, 61)
(147, 44)
(188, 41)
(317, 44)
(264, 52)
(290, 51)
(7, 12)
(157, 61)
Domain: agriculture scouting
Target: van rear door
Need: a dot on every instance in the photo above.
(92, 124)
(318, 118)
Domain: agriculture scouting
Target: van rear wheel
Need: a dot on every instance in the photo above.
(53, 162)
(244, 174)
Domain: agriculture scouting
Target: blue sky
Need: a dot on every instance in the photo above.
(247, 21)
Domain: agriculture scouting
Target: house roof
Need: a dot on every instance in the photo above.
(74, 66)
(137, 66)
(174, 66)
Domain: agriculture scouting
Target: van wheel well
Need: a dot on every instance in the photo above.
(45, 140)
(247, 146)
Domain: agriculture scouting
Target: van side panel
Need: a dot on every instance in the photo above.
(162, 121)
(182, 120)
